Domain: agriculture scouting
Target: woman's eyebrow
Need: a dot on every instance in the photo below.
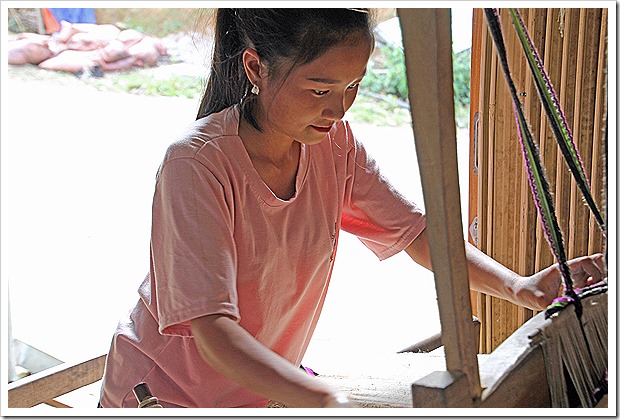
(328, 81)
(324, 81)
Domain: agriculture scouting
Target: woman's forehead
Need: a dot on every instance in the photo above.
(339, 64)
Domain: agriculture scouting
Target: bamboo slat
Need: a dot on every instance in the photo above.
(476, 80)
(474, 134)
(587, 58)
(485, 164)
(536, 23)
(569, 95)
(548, 146)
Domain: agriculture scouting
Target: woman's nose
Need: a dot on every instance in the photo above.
(335, 110)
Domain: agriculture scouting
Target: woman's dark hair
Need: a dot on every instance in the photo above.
(279, 36)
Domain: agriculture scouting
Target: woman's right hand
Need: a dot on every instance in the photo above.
(231, 350)
(338, 400)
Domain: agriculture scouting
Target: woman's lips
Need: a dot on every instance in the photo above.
(321, 129)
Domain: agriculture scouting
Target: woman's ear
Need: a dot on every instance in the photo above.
(254, 69)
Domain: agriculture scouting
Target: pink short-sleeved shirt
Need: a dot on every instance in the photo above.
(223, 243)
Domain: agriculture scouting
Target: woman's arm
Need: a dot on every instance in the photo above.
(235, 353)
(489, 276)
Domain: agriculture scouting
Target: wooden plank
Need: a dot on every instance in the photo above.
(513, 181)
(51, 383)
(580, 213)
(488, 176)
(474, 123)
(548, 145)
(56, 404)
(514, 369)
(488, 66)
(428, 58)
(523, 386)
(502, 158)
(568, 97)
(502, 119)
(510, 321)
(528, 222)
(508, 170)
(585, 87)
(475, 138)
(492, 178)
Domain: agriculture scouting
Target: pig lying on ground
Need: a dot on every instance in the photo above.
(71, 61)
(28, 50)
(76, 48)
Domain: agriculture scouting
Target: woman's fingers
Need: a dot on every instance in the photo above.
(587, 270)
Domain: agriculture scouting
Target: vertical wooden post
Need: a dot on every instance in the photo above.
(427, 42)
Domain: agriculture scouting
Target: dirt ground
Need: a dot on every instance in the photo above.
(78, 170)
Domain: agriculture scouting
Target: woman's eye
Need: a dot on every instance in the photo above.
(320, 92)
(353, 86)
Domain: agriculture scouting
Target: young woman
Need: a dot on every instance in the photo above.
(246, 213)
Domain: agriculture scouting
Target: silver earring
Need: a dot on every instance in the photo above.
(255, 90)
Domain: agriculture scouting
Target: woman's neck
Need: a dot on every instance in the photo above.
(266, 147)
(276, 160)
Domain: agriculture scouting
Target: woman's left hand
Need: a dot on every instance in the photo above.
(538, 290)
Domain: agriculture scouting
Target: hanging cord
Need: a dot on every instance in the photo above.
(555, 116)
(535, 170)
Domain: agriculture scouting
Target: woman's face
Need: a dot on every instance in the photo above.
(314, 95)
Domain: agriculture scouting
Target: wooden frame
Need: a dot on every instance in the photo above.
(516, 366)
(51, 383)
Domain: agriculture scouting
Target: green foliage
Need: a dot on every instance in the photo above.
(386, 76)
(461, 67)
(386, 72)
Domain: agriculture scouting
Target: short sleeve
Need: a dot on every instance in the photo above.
(193, 255)
(382, 218)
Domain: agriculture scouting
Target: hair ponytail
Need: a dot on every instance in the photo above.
(227, 84)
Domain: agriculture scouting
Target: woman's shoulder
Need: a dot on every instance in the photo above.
(214, 130)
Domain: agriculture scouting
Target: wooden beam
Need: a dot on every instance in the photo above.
(51, 383)
(514, 369)
(427, 42)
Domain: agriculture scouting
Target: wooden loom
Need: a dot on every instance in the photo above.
(504, 378)
(514, 374)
